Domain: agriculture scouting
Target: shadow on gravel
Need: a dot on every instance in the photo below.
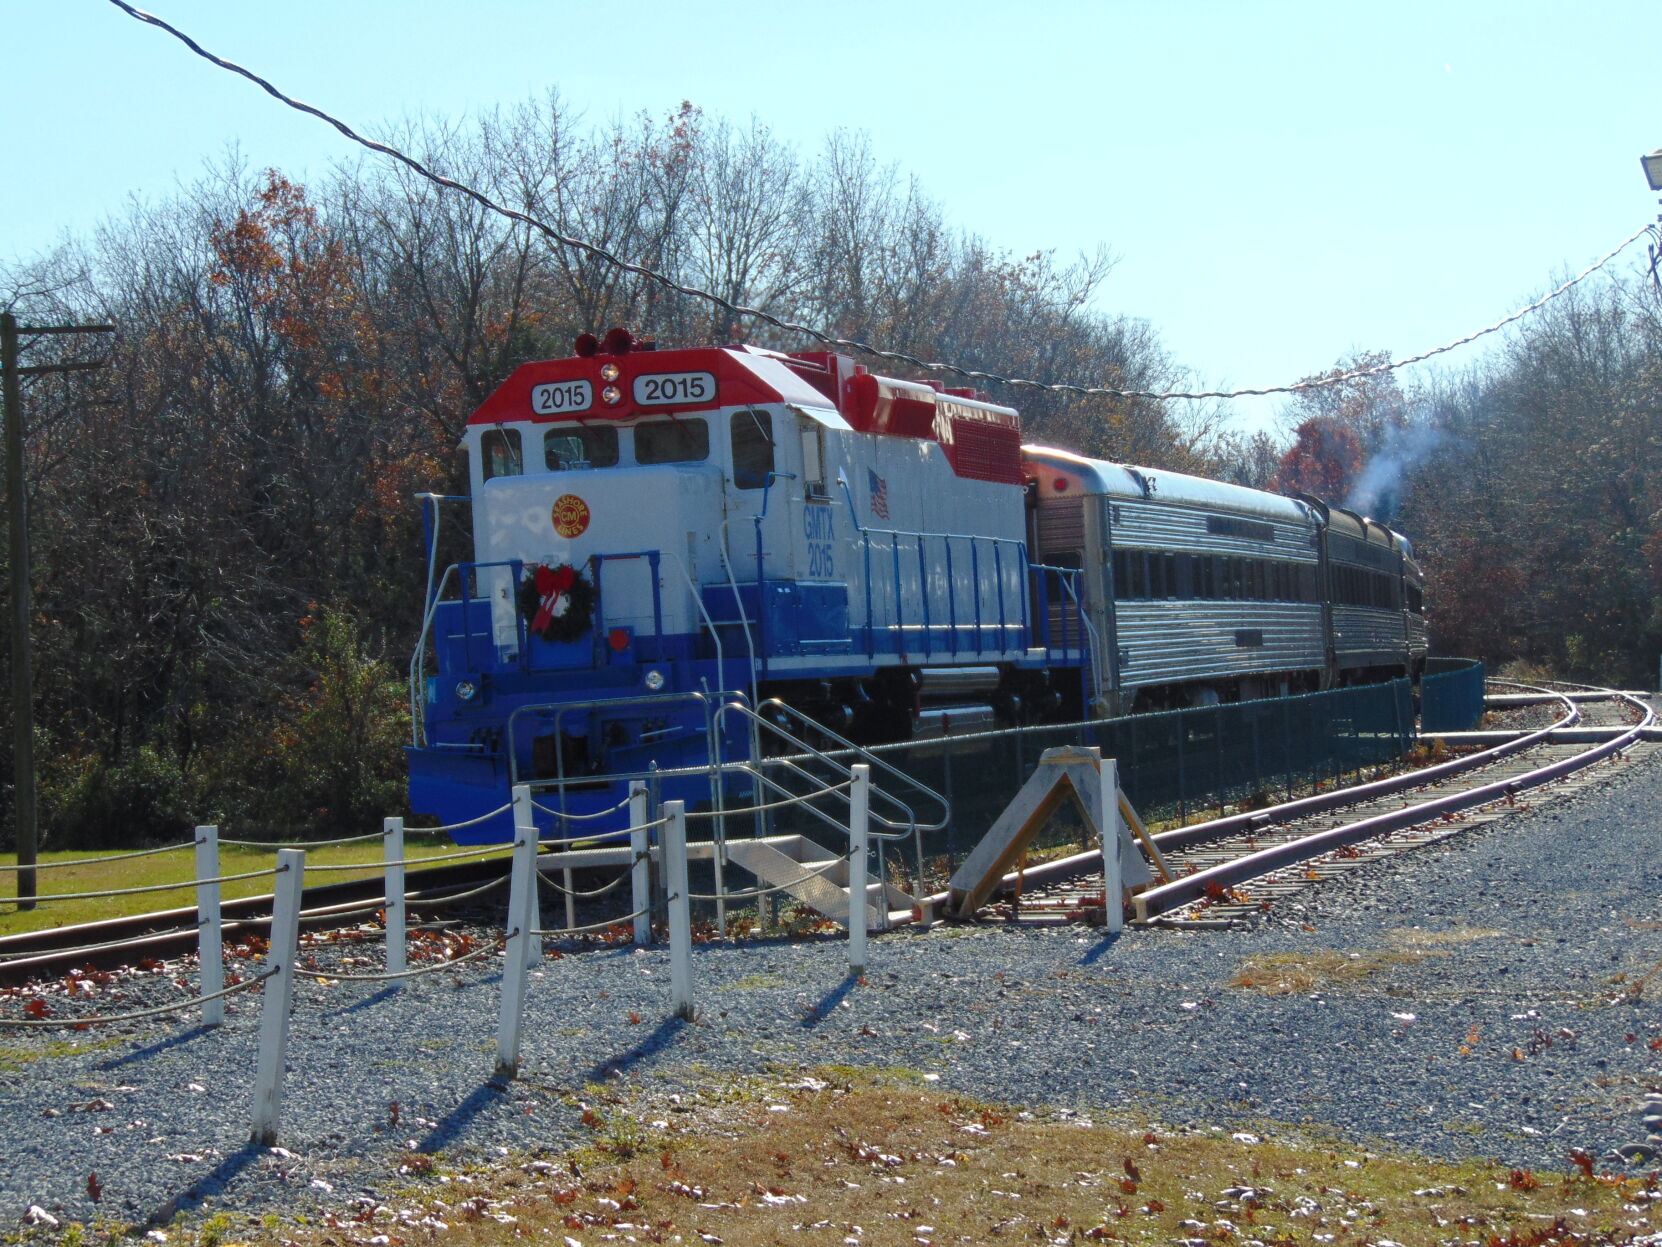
(459, 1118)
(813, 1015)
(1096, 951)
(386, 993)
(212, 1183)
(150, 1050)
(657, 1039)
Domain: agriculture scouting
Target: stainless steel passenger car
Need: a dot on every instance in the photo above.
(1198, 591)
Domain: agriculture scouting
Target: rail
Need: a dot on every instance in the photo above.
(1191, 887)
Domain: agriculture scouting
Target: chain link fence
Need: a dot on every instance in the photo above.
(1172, 766)
(1451, 695)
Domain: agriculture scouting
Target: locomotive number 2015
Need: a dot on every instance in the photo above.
(664, 388)
(554, 397)
(819, 529)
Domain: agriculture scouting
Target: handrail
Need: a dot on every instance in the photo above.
(561, 709)
(803, 799)
(858, 751)
(418, 662)
(895, 534)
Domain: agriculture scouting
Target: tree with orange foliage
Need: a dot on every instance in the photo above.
(1324, 459)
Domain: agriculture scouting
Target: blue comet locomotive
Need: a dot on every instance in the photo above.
(657, 532)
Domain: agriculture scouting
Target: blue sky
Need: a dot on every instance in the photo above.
(1283, 183)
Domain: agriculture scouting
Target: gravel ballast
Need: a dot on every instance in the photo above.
(1499, 1019)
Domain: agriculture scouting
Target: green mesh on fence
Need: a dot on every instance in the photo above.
(1451, 695)
(1176, 765)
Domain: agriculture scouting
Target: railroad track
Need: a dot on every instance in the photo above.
(1230, 870)
(172, 933)
(1225, 871)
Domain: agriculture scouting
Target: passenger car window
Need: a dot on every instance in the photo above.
(672, 441)
(581, 447)
(752, 449)
(499, 450)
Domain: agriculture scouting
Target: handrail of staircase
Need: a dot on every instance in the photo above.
(895, 831)
(857, 752)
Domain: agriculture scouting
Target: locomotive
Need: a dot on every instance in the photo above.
(656, 531)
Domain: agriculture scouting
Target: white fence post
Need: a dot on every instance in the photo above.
(392, 832)
(640, 870)
(279, 995)
(210, 937)
(859, 828)
(527, 818)
(571, 895)
(521, 892)
(1113, 886)
(674, 841)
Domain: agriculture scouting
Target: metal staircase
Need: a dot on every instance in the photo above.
(811, 875)
(796, 762)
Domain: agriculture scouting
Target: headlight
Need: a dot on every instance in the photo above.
(608, 372)
(654, 680)
(610, 395)
(465, 690)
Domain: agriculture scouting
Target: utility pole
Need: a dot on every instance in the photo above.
(17, 516)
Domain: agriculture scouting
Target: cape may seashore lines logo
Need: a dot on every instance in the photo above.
(571, 516)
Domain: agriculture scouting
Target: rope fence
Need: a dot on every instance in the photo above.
(521, 944)
(395, 976)
(97, 861)
(341, 867)
(551, 842)
(328, 844)
(109, 1019)
(605, 925)
(578, 894)
(471, 822)
(150, 887)
(580, 818)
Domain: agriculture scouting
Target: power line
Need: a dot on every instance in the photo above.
(740, 310)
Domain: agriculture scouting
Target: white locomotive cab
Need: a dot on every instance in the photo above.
(655, 484)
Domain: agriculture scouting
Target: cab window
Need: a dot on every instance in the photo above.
(752, 449)
(499, 451)
(672, 441)
(565, 449)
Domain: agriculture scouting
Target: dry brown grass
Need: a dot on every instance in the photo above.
(844, 1158)
(1285, 974)
(1415, 937)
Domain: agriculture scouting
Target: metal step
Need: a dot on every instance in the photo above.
(811, 875)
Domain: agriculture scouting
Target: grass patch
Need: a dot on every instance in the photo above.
(1414, 937)
(839, 1156)
(14, 1057)
(172, 868)
(752, 982)
(1289, 974)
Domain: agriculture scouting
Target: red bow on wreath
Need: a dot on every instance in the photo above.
(553, 594)
(557, 602)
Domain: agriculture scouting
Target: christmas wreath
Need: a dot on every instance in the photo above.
(558, 602)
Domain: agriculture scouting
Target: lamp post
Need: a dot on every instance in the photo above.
(1652, 165)
(1653, 169)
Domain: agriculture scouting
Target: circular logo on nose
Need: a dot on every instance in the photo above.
(571, 516)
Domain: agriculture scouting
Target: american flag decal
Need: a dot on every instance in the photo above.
(879, 495)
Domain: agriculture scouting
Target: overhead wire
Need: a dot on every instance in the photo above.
(739, 310)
